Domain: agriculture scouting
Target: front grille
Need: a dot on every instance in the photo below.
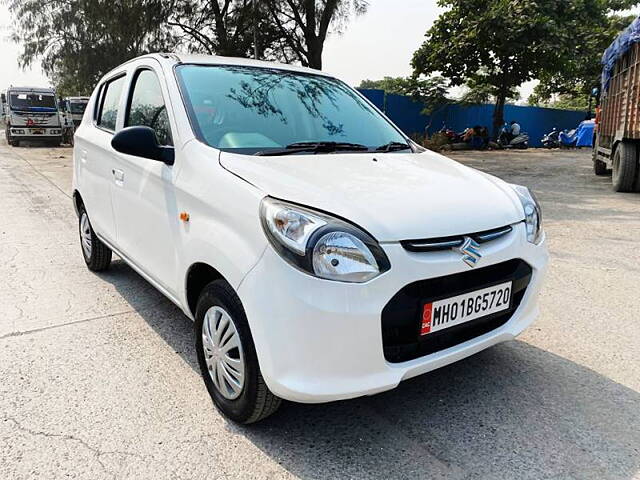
(444, 243)
(402, 315)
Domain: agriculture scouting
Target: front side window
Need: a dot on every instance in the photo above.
(110, 103)
(249, 110)
(147, 106)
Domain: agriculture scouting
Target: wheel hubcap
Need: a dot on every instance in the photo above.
(223, 352)
(85, 235)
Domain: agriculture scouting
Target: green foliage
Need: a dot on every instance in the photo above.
(503, 43)
(78, 41)
(581, 71)
(478, 91)
(565, 101)
(431, 91)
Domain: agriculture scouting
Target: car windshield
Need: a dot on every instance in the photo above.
(77, 107)
(250, 110)
(33, 101)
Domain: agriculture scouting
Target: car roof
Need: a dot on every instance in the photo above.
(199, 59)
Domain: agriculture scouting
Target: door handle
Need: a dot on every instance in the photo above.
(118, 175)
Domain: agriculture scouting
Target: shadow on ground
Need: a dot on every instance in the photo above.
(513, 411)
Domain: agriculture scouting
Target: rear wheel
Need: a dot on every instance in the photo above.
(96, 254)
(625, 167)
(227, 357)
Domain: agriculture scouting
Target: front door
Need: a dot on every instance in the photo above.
(143, 191)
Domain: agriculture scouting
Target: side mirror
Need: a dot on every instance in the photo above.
(142, 142)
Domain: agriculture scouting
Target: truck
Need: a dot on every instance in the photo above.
(32, 114)
(75, 107)
(616, 144)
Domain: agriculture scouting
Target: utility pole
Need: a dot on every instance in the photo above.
(255, 30)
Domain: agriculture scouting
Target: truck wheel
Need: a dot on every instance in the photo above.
(10, 140)
(96, 254)
(227, 356)
(625, 166)
(599, 167)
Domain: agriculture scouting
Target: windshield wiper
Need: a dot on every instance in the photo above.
(392, 147)
(315, 147)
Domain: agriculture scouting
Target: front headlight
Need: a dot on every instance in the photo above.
(532, 213)
(322, 245)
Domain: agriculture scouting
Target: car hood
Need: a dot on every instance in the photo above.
(394, 196)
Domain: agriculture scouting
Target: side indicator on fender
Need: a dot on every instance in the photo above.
(184, 216)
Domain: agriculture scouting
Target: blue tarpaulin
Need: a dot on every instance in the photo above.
(617, 49)
(585, 134)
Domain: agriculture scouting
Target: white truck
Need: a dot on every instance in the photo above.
(75, 107)
(32, 114)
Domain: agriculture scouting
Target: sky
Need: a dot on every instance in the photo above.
(377, 44)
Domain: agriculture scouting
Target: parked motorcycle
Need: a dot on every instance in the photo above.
(551, 139)
(451, 135)
(504, 139)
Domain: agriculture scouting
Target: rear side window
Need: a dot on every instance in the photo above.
(147, 106)
(110, 102)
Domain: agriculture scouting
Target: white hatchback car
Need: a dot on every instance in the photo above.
(322, 254)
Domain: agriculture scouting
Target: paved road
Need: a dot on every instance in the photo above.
(98, 377)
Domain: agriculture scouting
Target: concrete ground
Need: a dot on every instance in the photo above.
(98, 377)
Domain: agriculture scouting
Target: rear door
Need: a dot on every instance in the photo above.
(143, 194)
(96, 158)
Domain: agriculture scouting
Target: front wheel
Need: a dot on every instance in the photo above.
(227, 357)
(10, 140)
(599, 167)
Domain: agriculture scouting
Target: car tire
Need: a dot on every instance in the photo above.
(599, 167)
(96, 254)
(625, 167)
(220, 311)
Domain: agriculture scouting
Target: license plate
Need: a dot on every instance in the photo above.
(37, 131)
(463, 308)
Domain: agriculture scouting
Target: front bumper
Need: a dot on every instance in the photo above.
(35, 132)
(319, 340)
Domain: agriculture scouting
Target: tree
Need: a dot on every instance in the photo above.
(431, 91)
(222, 27)
(561, 101)
(235, 28)
(581, 71)
(499, 43)
(80, 40)
(303, 26)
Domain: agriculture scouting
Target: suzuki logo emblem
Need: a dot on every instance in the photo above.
(470, 251)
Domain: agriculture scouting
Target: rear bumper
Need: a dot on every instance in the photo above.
(320, 341)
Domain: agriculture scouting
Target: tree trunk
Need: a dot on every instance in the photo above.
(314, 54)
(498, 112)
